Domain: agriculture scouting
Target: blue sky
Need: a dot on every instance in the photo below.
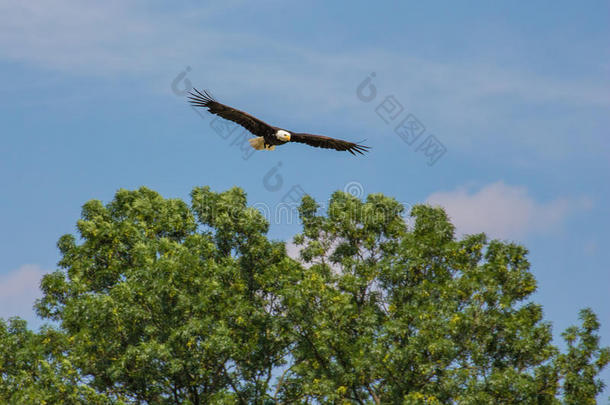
(517, 94)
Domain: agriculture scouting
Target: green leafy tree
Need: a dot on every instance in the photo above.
(35, 370)
(171, 304)
(160, 302)
(387, 314)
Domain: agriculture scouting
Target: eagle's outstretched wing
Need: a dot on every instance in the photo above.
(327, 142)
(252, 124)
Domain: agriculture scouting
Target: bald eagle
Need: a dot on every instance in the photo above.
(268, 136)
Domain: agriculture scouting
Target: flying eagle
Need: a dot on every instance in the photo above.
(267, 136)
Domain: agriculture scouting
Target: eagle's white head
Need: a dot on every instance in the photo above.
(282, 135)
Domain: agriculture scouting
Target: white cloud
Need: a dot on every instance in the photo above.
(135, 37)
(293, 250)
(462, 102)
(504, 211)
(94, 38)
(18, 291)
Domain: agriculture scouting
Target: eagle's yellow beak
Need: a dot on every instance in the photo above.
(288, 136)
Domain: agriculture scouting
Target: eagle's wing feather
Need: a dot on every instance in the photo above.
(327, 142)
(252, 124)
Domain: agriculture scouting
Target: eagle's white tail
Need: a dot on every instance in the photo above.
(258, 143)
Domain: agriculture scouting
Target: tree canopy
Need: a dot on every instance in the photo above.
(157, 301)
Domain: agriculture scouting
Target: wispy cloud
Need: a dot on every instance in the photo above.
(18, 291)
(293, 250)
(463, 102)
(504, 211)
(114, 36)
(99, 38)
